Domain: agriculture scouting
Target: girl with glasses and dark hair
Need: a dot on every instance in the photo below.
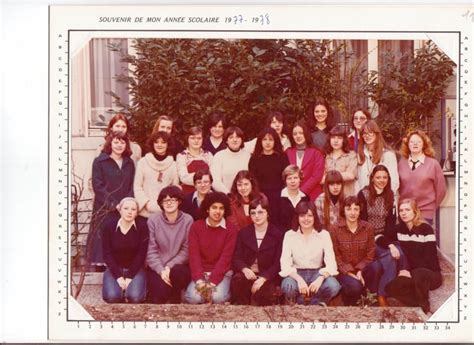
(167, 257)
(256, 258)
(359, 118)
(192, 201)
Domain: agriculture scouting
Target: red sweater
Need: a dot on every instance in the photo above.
(211, 250)
(425, 184)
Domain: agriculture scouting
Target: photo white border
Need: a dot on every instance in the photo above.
(64, 19)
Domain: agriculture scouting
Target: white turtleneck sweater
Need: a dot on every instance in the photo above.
(151, 176)
(225, 165)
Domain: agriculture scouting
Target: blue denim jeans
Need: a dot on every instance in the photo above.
(220, 295)
(135, 292)
(326, 292)
(352, 288)
(390, 266)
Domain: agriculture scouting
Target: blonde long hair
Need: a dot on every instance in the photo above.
(418, 219)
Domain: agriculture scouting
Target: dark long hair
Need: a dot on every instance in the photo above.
(311, 121)
(234, 194)
(279, 116)
(277, 148)
(337, 131)
(163, 136)
(306, 133)
(332, 177)
(120, 136)
(114, 119)
(302, 208)
(387, 192)
(214, 119)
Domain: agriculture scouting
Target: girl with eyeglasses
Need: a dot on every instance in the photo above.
(421, 176)
(167, 257)
(359, 118)
(256, 258)
(192, 159)
(373, 150)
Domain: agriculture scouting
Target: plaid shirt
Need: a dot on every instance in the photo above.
(355, 250)
(333, 210)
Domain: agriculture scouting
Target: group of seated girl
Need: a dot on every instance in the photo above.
(211, 259)
(292, 187)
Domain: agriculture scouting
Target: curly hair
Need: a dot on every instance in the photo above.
(163, 136)
(428, 149)
(213, 198)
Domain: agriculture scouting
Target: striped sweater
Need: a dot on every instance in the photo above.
(418, 244)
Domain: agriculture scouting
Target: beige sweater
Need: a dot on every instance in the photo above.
(151, 176)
